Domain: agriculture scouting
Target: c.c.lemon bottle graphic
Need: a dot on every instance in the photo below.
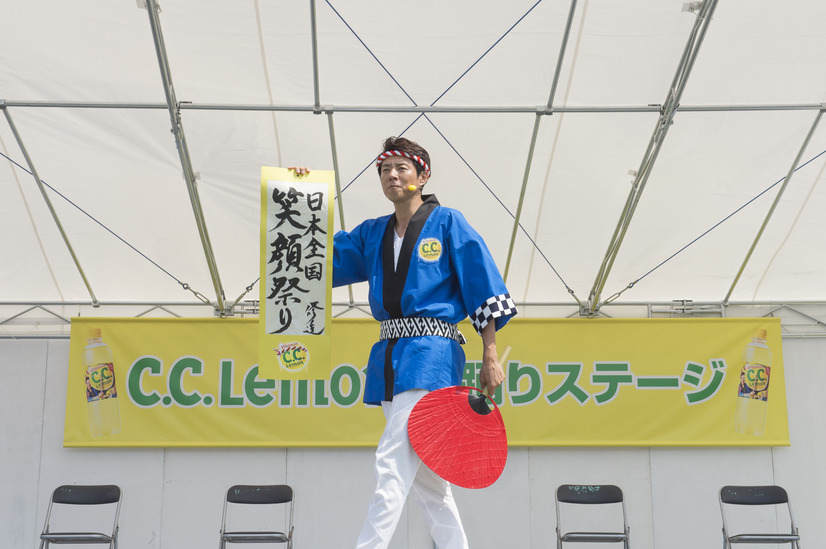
(101, 389)
(753, 388)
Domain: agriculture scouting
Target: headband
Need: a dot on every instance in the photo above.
(387, 154)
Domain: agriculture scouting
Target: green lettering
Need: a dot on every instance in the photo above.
(517, 372)
(470, 378)
(176, 379)
(337, 382)
(286, 393)
(302, 398)
(133, 381)
(251, 386)
(470, 375)
(228, 400)
(320, 397)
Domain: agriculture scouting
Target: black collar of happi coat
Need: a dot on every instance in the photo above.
(395, 278)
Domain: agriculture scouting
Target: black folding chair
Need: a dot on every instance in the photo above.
(774, 496)
(600, 494)
(273, 494)
(95, 495)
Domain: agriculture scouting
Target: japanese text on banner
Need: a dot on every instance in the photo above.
(296, 276)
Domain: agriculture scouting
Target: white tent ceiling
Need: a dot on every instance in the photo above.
(83, 96)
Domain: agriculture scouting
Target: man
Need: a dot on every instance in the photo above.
(427, 270)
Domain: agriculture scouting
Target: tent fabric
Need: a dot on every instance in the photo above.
(82, 87)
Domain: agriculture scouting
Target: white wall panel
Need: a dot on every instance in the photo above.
(685, 484)
(195, 482)
(21, 421)
(799, 468)
(499, 516)
(332, 487)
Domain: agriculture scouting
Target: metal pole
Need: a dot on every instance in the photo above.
(669, 108)
(532, 148)
(183, 153)
(84, 105)
(434, 109)
(52, 211)
(18, 315)
(775, 203)
(57, 337)
(334, 150)
(418, 109)
(102, 304)
(522, 194)
(627, 213)
(561, 56)
(809, 317)
(314, 34)
(76, 303)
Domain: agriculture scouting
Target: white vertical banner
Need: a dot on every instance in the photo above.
(296, 274)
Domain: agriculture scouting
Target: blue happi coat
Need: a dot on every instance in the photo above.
(444, 271)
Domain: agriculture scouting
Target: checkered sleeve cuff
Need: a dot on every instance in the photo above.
(494, 307)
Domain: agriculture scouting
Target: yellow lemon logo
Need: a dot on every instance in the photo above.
(292, 356)
(101, 377)
(430, 249)
(757, 376)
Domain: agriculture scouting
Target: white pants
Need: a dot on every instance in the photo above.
(399, 471)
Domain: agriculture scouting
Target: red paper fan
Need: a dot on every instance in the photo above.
(457, 435)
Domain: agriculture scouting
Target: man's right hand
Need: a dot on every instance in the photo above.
(299, 170)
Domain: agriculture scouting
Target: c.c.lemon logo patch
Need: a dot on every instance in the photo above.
(430, 249)
(292, 356)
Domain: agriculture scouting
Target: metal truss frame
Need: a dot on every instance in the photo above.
(595, 305)
(50, 320)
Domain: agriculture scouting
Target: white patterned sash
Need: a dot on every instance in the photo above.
(418, 326)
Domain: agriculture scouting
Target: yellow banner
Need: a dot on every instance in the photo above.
(644, 382)
(573, 382)
(296, 274)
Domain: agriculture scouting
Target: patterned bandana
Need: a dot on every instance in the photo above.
(387, 154)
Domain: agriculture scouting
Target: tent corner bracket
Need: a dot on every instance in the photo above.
(692, 7)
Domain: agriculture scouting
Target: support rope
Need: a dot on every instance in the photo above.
(729, 216)
(184, 285)
(525, 232)
(466, 163)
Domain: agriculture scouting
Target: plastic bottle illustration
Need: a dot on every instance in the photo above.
(101, 389)
(753, 388)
